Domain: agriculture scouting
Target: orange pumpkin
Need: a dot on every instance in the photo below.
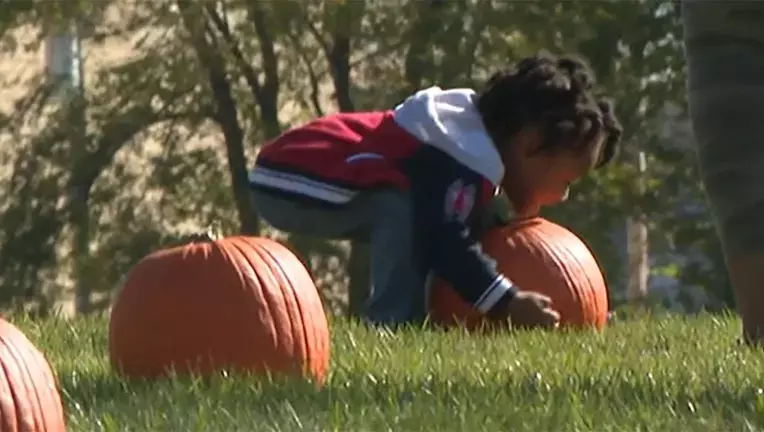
(29, 398)
(537, 255)
(243, 304)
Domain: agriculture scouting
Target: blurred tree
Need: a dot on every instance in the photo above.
(202, 84)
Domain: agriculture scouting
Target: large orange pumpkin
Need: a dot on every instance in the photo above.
(244, 304)
(29, 398)
(537, 255)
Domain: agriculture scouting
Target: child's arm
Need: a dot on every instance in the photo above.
(446, 202)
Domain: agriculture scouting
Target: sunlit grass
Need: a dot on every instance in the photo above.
(675, 373)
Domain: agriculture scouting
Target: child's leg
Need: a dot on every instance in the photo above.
(725, 54)
(293, 215)
(385, 219)
(398, 280)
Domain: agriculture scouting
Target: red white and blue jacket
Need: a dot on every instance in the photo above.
(434, 145)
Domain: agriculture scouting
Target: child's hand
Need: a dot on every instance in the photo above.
(530, 309)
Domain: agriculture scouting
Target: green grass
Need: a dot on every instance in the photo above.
(671, 374)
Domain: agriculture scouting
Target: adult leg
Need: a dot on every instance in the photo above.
(725, 53)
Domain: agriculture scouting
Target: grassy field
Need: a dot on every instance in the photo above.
(685, 374)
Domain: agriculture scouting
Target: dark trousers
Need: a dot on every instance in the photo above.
(725, 55)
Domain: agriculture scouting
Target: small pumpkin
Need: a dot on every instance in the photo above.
(29, 397)
(244, 304)
(537, 255)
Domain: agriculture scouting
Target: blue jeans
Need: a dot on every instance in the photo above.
(384, 219)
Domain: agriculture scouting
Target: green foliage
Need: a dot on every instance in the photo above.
(161, 139)
(650, 374)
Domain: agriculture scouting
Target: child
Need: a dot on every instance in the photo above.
(413, 181)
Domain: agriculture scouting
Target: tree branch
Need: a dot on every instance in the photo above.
(382, 51)
(313, 30)
(266, 93)
(249, 73)
(312, 76)
(226, 115)
(269, 107)
(270, 62)
(116, 133)
(339, 57)
(337, 53)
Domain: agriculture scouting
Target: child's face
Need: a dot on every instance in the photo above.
(544, 177)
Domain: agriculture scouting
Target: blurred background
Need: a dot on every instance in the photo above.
(125, 126)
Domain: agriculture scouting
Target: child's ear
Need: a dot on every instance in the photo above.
(527, 142)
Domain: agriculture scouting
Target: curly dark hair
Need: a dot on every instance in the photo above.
(555, 93)
(613, 132)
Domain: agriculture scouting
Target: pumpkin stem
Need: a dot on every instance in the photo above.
(211, 234)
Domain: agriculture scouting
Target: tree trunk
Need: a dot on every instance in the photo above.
(359, 273)
(359, 268)
(638, 246)
(226, 110)
(638, 260)
(79, 209)
(226, 115)
(79, 219)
